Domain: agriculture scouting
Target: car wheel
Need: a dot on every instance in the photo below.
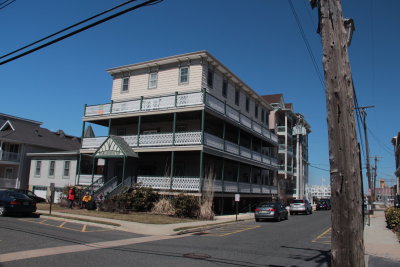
(278, 219)
(2, 211)
(306, 212)
(287, 216)
(258, 220)
(311, 211)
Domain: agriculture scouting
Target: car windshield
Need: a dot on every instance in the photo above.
(322, 202)
(17, 195)
(298, 201)
(269, 205)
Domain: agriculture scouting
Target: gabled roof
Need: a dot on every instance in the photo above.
(275, 98)
(6, 126)
(29, 132)
(115, 146)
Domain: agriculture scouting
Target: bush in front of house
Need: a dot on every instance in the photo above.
(164, 207)
(137, 198)
(186, 205)
(392, 216)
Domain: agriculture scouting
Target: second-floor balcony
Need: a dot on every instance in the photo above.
(176, 101)
(281, 130)
(185, 139)
(282, 148)
(9, 156)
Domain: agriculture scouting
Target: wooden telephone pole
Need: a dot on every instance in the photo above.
(347, 247)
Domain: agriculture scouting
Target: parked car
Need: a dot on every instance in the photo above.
(29, 193)
(15, 202)
(300, 206)
(271, 210)
(323, 205)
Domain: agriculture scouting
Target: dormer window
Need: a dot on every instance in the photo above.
(125, 84)
(184, 75)
(7, 126)
(153, 77)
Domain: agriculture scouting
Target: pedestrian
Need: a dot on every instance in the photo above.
(71, 197)
(86, 199)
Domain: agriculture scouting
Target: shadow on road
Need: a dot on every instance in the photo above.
(323, 257)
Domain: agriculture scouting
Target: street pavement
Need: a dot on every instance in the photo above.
(300, 241)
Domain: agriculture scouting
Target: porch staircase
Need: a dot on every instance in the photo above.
(110, 188)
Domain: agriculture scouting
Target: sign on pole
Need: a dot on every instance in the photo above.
(237, 197)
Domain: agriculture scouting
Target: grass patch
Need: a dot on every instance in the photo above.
(140, 217)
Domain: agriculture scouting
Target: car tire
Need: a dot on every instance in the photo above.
(2, 211)
(311, 211)
(278, 219)
(306, 213)
(258, 220)
(287, 216)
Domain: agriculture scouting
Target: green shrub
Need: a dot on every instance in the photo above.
(137, 197)
(392, 216)
(185, 205)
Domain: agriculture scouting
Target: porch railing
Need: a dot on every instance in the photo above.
(10, 156)
(8, 183)
(192, 184)
(180, 100)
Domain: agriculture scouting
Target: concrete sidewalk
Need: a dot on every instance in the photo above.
(152, 229)
(379, 241)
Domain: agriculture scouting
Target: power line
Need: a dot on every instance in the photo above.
(67, 28)
(308, 47)
(147, 3)
(382, 145)
(5, 5)
(318, 167)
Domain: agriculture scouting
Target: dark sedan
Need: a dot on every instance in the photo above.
(323, 205)
(274, 210)
(15, 202)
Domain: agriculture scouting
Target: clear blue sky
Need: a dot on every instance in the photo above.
(258, 40)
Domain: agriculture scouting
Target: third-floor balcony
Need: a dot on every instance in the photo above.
(178, 101)
(9, 156)
(282, 130)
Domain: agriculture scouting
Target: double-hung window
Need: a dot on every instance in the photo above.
(262, 115)
(256, 110)
(125, 84)
(225, 88)
(183, 75)
(247, 103)
(38, 167)
(210, 78)
(237, 95)
(67, 166)
(51, 168)
(153, 77)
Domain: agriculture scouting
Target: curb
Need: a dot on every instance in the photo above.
(202, 228)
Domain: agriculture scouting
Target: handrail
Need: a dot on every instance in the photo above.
(105, 186)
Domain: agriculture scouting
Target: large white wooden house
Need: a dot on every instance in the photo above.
(172, 120)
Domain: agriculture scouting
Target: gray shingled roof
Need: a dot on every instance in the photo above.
(30, 132)
(123, 145)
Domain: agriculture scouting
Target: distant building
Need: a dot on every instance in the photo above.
(19, 136)
(52, 167)
(292, 130)
(318, 191)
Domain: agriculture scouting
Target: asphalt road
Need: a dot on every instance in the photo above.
(300, 241)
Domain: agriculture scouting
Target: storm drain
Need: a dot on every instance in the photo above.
(197, 256)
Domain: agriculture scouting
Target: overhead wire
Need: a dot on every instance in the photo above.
(307, 44)
(146, 3)
(67, 28)
(382, 145)
(4, 5)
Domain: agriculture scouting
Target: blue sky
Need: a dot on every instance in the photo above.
(258, 40)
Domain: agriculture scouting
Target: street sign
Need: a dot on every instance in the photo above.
(237, 197)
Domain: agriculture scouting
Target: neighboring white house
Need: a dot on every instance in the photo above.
(318, 191)
(54, 167)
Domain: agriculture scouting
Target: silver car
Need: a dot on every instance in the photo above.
(300, 206)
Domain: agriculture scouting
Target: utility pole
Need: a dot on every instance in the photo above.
(368, 165)
(375, 173)
(347, 241)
